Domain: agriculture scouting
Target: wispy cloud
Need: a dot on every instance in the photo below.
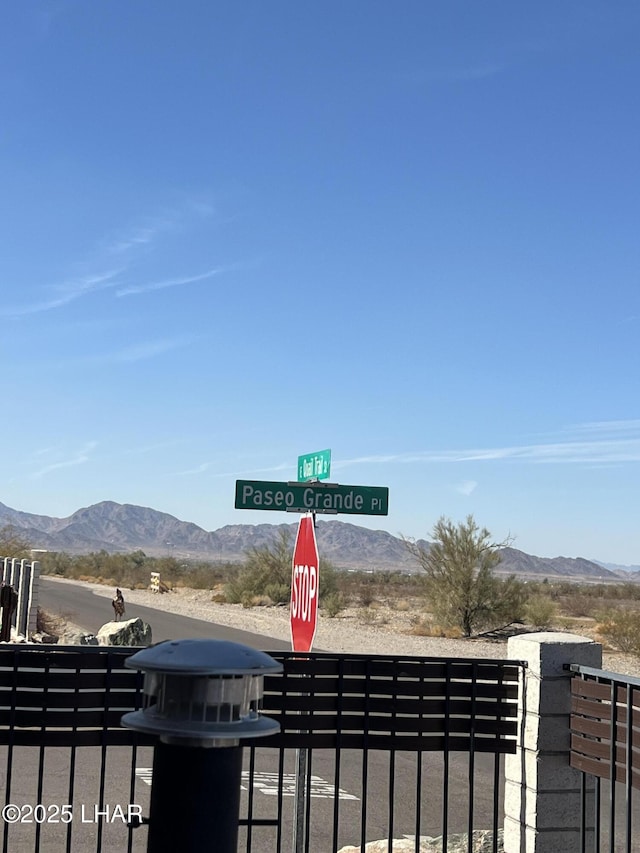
(128, 354)
(80, 457)
(125, 250)
(151, 448)
(205, 466)
(63, 294)
(145, 349)
(79, 288)
(171, 220)
(171, 282)
(134, 240)
(467, 487)
(627, 427)
(285, 466)
(199, 469)
(612, 442)
(454, 74)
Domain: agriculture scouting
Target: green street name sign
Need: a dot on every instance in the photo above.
(312, 497)
(314, 466)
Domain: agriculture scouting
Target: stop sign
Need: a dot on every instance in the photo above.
(304, 586)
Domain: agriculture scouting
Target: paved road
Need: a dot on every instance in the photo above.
(88, 610)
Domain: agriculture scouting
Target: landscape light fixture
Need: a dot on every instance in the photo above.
(201, 698)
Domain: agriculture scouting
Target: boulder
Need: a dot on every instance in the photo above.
(133, 632)
(78, 638)
(42, 637)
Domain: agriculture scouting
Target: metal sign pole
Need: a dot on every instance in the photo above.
(300, 795)
(300, 816)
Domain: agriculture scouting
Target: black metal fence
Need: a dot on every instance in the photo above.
(386, 747)
(605, 746)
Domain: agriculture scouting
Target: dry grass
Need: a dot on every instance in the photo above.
(219, 598)
(368, 615)
(427, 628)
(261, 601)
(47, 623)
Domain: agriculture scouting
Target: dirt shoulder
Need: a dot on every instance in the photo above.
(383, 628)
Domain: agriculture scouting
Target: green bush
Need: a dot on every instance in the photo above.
(332, 604)
(268, 566)
(134, 570)
(462, 589)
(621, 628)
(278, 593)
(540, 611)
(267, 572)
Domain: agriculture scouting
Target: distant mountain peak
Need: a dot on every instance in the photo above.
(116, 527)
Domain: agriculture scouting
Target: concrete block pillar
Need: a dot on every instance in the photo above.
(34, 594)
(542, 792)
(23, 586)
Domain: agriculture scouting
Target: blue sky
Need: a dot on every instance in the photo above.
(236, 232)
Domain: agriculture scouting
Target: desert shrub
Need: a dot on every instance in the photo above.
(202, 576)
(461, 586)
(278, 593)
(577, 604)
(47, 623)
(268, 566)
(368, 615)
(233, 591)
(329, 580)
(133, 570)
(332, 604)
(13, 543)
(540, 611)
(621, 629)
(366, 595)
(55, 563)
(267, 571)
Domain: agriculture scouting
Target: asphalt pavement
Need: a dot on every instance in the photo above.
(80, 605)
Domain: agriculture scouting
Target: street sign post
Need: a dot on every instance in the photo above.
(314, 466)
(312, 497)
(304, 586)
(303, 621)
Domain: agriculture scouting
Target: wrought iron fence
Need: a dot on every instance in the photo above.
(605, 746)
(392, 747)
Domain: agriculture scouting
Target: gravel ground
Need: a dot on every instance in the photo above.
(380, 629)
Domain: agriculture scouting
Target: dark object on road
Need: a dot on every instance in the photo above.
(118, 604)
(8, 603)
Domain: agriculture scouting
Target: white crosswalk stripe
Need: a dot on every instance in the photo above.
(269, 784)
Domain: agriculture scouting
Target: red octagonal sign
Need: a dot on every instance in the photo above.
(304, 586)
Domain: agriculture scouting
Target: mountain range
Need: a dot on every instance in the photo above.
(115, 527)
